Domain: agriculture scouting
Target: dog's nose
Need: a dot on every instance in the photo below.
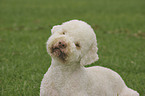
(62, 44)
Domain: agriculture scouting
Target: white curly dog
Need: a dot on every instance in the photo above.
(71, 46)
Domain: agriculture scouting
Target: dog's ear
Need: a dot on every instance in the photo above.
(56, 28)
(91, 56)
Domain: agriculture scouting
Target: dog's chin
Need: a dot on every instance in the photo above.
(59, 54)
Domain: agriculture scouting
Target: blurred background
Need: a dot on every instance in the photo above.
(25, 27)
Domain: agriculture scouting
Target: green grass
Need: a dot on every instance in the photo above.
(25, 27)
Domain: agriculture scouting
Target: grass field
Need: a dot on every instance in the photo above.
(25, 27)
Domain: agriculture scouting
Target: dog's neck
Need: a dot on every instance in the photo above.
(67, 67)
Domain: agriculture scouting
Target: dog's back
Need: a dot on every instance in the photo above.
(106, 82)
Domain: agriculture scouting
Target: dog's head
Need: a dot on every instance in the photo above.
(73, 41)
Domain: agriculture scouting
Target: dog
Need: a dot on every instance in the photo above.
(71, 46)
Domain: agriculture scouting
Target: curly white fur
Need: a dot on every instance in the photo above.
(72, 45)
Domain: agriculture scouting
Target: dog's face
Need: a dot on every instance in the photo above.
(71, 42)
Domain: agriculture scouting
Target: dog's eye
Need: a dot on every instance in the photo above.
(77, 45)
(63, 33)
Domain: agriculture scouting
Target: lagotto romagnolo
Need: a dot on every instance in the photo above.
(71, 46)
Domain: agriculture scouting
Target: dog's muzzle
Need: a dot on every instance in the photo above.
(60, 50)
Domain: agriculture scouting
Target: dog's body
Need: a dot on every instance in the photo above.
(72, 45)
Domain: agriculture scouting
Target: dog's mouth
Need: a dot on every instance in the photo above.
(59, 52)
